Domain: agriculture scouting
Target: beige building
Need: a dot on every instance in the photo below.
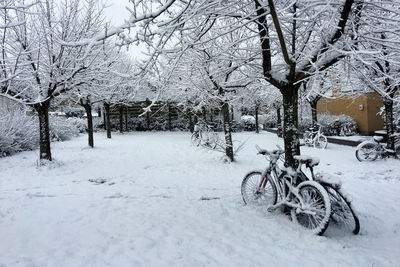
(363, 109)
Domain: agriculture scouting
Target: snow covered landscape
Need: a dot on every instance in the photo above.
(140, 133)
(153, 199)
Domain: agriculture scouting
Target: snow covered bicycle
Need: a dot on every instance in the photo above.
(204, 135)
(371, 150)
(343, 213)
(275, 187)
(315, 138)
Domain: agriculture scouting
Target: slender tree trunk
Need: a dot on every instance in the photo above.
(43, 113)
(204, 114)
(88, 109)
(148, 103)
(169, 116)
(227, 132)
(99, 112)
(104, 119)
(279, 122)
(191, 126)
(126, 118)
(313, 105)
(290, 124)
(121, 118)
(232, 117)
(256, 115)
(389, 122)
(107, 118)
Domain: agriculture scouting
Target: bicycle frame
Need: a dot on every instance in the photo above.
(280, 178)
(315, 135)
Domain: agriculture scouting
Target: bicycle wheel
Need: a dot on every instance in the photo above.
(196, 138)
(316, 212)
(214, 140)
(366, 152)
(343, 214)
(307, 137)
(321, 142)
(255, 191)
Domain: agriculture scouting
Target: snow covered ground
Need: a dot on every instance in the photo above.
(152, 199)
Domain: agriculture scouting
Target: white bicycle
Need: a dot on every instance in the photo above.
(204, 135)
(315, 138)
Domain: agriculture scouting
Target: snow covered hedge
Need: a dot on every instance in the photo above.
(62, 128)
(18, 132)
(332, 124)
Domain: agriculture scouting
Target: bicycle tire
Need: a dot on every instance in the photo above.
(321, 142)
(343, 214)
(366, 152)
(317, 201)
(249, 187)
(307, 137)
(196, 138)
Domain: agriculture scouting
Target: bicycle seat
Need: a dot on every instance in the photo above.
(308, 160)
(378, 138)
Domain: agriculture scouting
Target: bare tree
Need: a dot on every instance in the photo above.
(46, 67)
(376, 57)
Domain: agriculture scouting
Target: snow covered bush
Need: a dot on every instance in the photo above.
(270, 119)
(62, 129)
(78, 123)
(332, 124)
(18, 132)
(248, 122)
(338, 124)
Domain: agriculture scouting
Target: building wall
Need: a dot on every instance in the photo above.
(367, 119)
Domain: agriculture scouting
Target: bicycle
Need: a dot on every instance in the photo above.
(371, 150)
(343, 213)
(204, 135)
(275, 187)
(315, 138)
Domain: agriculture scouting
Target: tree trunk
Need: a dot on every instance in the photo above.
(148, 103)
(126, 118)
(279, 122)
(313, 105)
(191, 126)
(227, 132)
(107, 118)
(88, 109)
(256, 115)
(43, 113)
(121, 118)
(204, 114)
(169, 116)
(104, 119)
(389, 123)
(290, 124)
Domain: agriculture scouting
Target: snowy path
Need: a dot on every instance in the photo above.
(151, 199)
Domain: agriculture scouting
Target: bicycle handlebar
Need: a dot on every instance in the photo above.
(276, 152)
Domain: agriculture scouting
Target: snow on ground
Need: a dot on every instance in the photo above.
(152, 199)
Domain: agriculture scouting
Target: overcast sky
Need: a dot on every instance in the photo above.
(117, 14)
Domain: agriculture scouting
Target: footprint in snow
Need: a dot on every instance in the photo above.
(209, 198)
(98, 181)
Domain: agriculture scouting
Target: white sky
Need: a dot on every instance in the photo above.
(117, 14)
